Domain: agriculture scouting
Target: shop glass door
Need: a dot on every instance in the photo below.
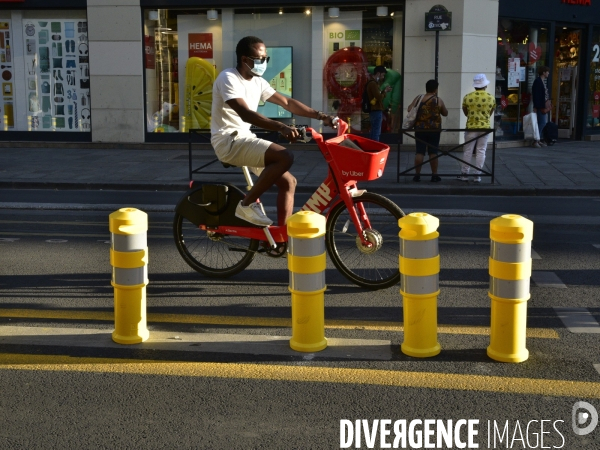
(593, 110)
(567, 47)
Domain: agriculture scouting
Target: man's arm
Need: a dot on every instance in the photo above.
(299, 109)
(240, 106)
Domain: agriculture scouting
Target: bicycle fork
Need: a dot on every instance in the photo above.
(358, 215)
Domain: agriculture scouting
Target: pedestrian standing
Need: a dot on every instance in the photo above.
(429, 117)
(541, 97)
(376, 95)
(478, 106)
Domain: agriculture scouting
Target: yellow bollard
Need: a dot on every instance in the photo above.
(306, 263)
(510, 270)
(419, 275)
(129, 258)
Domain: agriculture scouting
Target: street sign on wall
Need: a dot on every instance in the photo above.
(438, 18)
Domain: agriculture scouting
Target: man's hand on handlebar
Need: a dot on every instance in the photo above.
(290, 133)
(330, 121)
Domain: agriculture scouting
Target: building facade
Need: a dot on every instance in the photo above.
(137, 71)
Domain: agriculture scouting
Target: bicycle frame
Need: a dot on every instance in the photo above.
(327, 195)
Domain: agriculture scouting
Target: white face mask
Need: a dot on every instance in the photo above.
(259, 68)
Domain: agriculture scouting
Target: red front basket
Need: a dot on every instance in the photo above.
(358, 165)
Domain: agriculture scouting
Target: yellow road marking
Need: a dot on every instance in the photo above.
(371, 325)
(392, 378)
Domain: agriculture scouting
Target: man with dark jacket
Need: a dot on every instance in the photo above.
(376, 96)
(539, 94)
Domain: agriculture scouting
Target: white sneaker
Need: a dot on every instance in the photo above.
(462, 178)
(252, 214)
(477, 180)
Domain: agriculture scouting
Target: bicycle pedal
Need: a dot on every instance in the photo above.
(274, 252)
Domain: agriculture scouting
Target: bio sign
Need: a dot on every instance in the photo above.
(438, 18)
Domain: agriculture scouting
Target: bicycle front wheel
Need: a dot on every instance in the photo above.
(212, 254)
(374, 267)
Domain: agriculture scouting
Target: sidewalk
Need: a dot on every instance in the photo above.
(567, 168)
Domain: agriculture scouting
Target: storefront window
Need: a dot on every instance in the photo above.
(522, 49)
(186, 49)
(50, 91)
(593, 110)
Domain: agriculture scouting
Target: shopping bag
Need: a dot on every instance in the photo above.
(411, 116)
(530, 126)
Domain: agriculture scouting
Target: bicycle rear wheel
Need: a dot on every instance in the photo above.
(374, 267)
(212, 254)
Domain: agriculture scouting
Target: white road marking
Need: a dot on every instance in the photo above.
(56, 241)
(596, 245)
(578, 320)
(597, 367)
(9, 239)
(547, 279)
(535, 255)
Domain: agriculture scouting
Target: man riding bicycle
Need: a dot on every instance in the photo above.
(236, 95)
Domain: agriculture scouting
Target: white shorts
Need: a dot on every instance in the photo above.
(247, 150)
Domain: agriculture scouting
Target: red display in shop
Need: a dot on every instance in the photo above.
(345, 76)
(595, 111)
(535, 53)
(503, 102)
(200, 45)
(597, 96)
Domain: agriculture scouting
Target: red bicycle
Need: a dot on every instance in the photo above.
(361, 229)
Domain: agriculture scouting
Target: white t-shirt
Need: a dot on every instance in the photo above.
(228, 85)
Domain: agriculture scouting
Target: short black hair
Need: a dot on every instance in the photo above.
(244, 47)
(431, 86)
(379, 69)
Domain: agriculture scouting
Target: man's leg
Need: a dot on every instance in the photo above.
(376, 121)
(468, 152)
(434, 146)
(418, 160)
(285, 197)
(480, 155)
(278, 161)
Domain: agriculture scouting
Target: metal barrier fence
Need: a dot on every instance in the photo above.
(202, 136)
(447, 152)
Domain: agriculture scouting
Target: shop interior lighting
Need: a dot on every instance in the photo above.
(307, 11)
(333, 12)
(153, 15)
(392, 14)
(280, 11)
(382, 11)
(212, 14)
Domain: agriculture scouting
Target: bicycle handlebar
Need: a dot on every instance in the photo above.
(342, 127)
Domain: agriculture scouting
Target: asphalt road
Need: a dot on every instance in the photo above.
(56, 275)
